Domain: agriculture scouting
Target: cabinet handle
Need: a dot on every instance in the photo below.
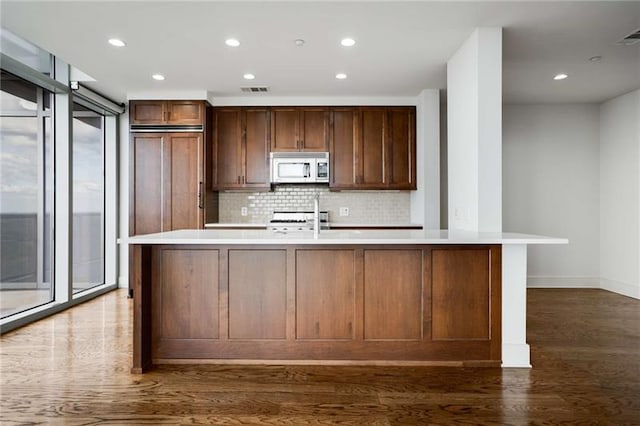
(200, 205)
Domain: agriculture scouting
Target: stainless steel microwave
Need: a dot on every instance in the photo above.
(299, 167)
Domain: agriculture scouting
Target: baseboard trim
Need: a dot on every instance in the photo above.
(123, 282)
(625, 289)
(515, 355)
(563, 282)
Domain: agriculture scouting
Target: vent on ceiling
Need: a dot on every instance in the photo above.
(631, 39)
(255, 89)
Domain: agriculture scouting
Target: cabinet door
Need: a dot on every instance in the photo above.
(401, 163)
(285, 129)
(314, 129)
(343, 140)
(146, 197)
(371, 155)
(147, 112)
(185, 112)
(256, 147)
(325, 294)
(185, 186)
(227, 142)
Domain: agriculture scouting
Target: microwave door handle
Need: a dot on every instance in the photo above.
(307, 170)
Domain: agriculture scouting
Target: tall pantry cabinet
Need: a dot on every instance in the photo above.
(168, 169)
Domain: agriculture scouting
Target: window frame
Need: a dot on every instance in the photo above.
(62, 214)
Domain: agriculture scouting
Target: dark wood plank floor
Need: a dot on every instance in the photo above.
(73, 369)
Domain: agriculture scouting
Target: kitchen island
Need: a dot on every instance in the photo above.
(358, 296)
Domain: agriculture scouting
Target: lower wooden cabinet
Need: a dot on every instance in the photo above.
(436, 303)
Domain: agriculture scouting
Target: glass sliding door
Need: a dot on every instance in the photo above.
(88, 198)
(26, 195)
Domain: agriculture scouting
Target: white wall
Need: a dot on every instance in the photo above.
(551, 187)
(620, 194)
(474, 102)
(425, 201)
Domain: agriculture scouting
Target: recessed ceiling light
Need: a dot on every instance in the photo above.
(299, 42)
(158, 77)
(117, 42)
(232, 42)
(341, 76)
(249, 76)
(560, 77)
(347, 42)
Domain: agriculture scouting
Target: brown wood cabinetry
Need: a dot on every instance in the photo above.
(164, 112)
(300, 129)
(373, 148)
(430, 303)
(241, 148)
(401, 164)
(167, 182)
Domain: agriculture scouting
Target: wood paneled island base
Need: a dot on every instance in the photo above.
(310, 304)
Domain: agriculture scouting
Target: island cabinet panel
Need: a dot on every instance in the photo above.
(438, 304)
(325, 294)
(189, 294)
(393, 281)
(257, 294)
(461, 294)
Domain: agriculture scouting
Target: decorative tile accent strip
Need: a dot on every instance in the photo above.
(370, 207)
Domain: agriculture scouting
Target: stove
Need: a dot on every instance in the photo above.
(290, 221)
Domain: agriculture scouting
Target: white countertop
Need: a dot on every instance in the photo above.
(378, 236)
(333, 225)
(235, 225)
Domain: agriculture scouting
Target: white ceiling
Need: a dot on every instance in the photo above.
(402, 47)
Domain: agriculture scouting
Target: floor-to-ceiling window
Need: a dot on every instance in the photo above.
(26, 202)
(58, 185)
(88, 198)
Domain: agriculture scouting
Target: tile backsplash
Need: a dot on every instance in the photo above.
(370, 207)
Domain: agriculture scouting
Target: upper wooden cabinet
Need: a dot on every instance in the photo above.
(300, 129)
(373, 148)
(162, 112)
(241, 148)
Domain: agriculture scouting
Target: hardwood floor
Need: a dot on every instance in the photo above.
(73, 369)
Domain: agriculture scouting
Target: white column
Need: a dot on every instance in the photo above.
(123, 225)
(425, 201)
(111, 197)
(515, 350)
(63, 199)
(474, 105)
